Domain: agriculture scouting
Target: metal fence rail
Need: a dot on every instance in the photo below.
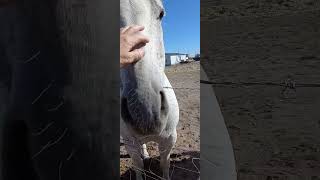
(287, 83)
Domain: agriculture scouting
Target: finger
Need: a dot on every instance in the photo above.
(126, 61)
(138, 46)
(138, 39)
(137, 55)
(134, 29)
(123, 64)
(122, 30)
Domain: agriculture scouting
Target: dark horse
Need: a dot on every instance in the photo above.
(58, 122)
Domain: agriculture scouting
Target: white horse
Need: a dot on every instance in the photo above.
(149, 109)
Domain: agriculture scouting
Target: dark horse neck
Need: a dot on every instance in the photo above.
(58, 123)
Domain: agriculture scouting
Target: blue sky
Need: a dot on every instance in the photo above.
(181, 26)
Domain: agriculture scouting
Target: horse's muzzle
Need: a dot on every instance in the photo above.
(146, 113)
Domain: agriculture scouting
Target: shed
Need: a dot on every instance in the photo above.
(175, 58)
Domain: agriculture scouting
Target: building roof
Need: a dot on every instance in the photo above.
(176, 54)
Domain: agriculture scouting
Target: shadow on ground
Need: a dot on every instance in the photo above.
(184, 166)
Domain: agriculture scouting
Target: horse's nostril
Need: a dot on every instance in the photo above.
(163, 102)
(162, 99)
(164, 105)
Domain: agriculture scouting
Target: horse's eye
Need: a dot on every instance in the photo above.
(161, 14)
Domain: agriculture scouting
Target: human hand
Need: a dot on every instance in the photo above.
(131, 44)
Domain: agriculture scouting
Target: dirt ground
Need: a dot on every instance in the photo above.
(275, 131)
(185, 164)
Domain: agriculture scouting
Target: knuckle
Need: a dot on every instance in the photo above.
(140, 53)
(126, 39)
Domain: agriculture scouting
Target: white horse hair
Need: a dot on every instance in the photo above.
(149, 109)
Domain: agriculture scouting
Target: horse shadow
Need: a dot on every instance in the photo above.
(184, 166)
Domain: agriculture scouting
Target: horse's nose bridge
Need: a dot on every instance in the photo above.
(146, 94)
(148, 80)
(143, 86)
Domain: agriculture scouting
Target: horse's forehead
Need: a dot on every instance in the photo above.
(158, 3)
(141, 3)
(138, 11)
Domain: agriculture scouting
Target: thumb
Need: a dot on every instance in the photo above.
(137, 54)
